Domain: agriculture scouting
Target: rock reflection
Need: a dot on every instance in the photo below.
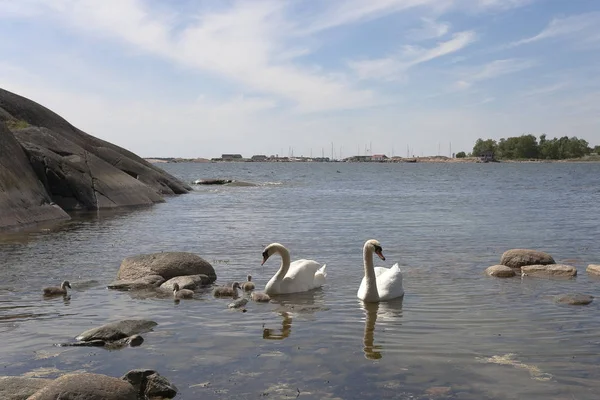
(372, 310)
(279, 334)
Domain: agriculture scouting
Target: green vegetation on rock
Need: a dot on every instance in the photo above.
(16, 124)
(461, 154)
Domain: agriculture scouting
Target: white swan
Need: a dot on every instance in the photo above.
(299, 276)
(379, 284)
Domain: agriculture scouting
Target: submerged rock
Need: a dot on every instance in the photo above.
(133, 341)
(576, 299)
(593, 269)
(500, 271)
(20, 388)
(167, 264)
(117, 330)
(212, 181)
(190, 282)
(550, 270)
(517, 258)
(86, 386)
(150, 384)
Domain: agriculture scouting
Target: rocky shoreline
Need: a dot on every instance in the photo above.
(48, 167)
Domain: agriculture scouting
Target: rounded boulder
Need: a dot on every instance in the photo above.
(167, 264)
(593, 269)
(500, 271)
(517, 258)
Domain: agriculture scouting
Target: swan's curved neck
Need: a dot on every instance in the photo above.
(285, 262)
(371, 280)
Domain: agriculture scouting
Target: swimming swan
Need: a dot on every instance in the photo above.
(379, 284)
(57, 291)
(182, 293)
(299, 276)
(226, 291)
(248, 285)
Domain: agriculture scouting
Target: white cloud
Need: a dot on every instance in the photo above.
(342, 12)
(431, 29)
(502, 4)
(571, 25)
(493, 70)
(393, 68)
(243, 44)
(544, 90)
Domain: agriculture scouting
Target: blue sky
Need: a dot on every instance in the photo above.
(200, 78)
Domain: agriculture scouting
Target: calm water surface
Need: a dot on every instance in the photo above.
(456, 334)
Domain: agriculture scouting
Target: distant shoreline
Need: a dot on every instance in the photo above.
(430, 159)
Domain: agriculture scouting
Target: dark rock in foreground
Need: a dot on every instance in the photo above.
(150, 384)
(576, 299)
(517, 258)
(45, 159)
(117, 330)
(136, 384)
(168, 265)
(20, 388)
(86, 386)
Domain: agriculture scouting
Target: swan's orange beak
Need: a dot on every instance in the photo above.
(265, 258)
(380, 254)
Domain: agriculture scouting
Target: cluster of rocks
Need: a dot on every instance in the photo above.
(533, 263)
(49, 167)
(525, 262)
(163, 270)
(137, 384)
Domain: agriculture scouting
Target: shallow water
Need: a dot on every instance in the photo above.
(456, 334)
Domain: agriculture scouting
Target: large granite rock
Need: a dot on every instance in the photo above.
(86, 386)
(167, 264)
(73, 169)
(23, 199)
(20, 388)
(517, 258)
(117, 330)
(550, 270)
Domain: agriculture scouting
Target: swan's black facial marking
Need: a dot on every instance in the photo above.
(265, 255)
(378, 251)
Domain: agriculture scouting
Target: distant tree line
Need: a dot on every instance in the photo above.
(528, 146)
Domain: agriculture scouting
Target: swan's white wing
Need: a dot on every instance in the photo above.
(301, 277)
(389, 282)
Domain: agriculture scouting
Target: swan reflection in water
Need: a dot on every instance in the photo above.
(303, 304)
(279, 334)
(391, 310)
